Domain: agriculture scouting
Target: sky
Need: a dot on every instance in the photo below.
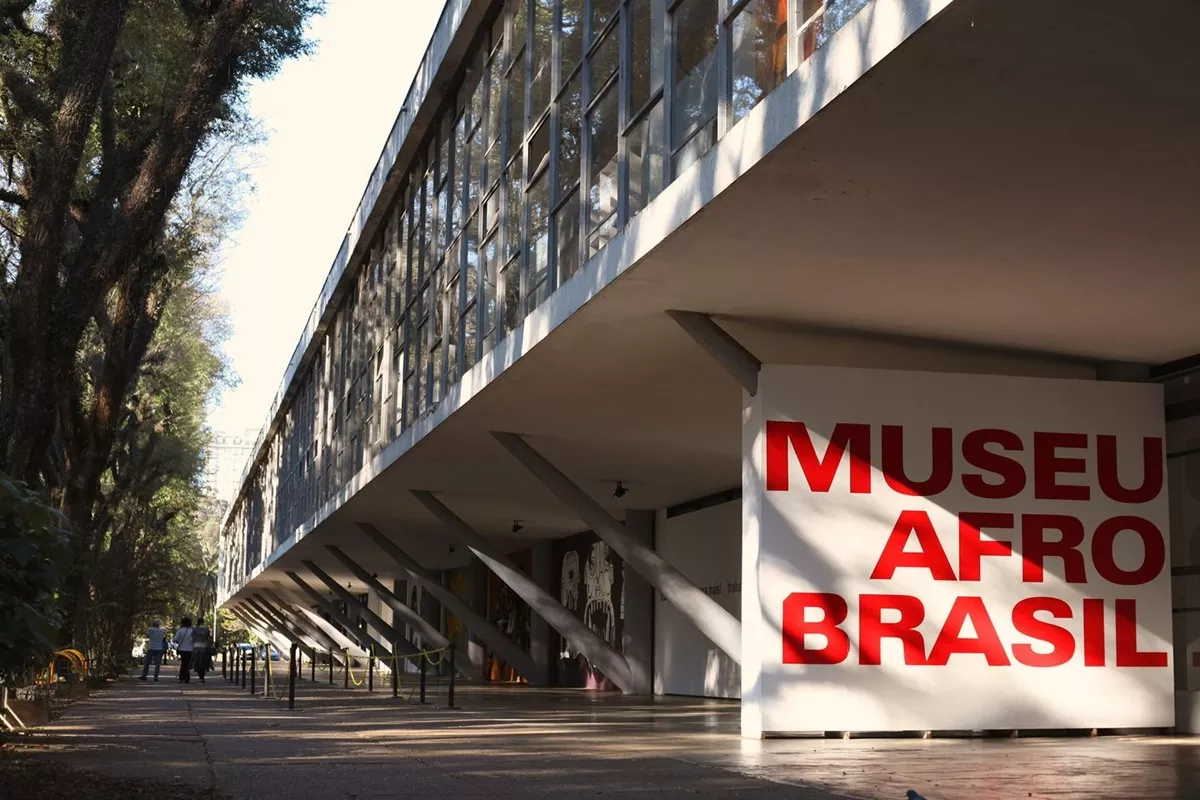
(327, 117)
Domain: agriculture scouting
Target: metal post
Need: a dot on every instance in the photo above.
(223, 654)
(450, 690)
(346, 671)
(245, 656)
(395, 673)
(312, 667)
(371, 670)
(422, 657)
(268, 671)
(293, 668)
(331, 667)
(253, 668)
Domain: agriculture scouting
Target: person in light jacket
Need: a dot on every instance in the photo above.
(183, 643)
(156, 643)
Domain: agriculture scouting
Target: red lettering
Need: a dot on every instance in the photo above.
(1062, 643)
(872, 629)
(941, 468)
(1093, 632)
(931, 556)
(1009, 470)
(1036, 549)
(796, 627)
(1128, 654)
(818, 471)
(972, 547)
(986, 641)
(1110, 480)
(1048, 465)
(1154, 551)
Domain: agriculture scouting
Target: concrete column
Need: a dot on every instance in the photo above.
(586, 641)
(539, 630)
(372, 618)
(403, 611)
(721, 627)
(638, 606)
(364, 640)
(475, 622)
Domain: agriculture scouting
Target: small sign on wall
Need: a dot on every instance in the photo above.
(931, 551)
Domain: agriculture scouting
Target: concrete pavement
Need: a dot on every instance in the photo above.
(518, 742)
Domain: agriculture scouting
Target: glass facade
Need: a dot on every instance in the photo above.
(566, 120)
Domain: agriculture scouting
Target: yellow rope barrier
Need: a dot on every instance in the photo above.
(350, 669)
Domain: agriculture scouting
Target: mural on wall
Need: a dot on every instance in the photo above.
(511, 615)
(596, 595)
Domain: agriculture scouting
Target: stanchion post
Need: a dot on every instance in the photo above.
(395, 671)
(293, 668)
(331, 666)
(371, 670)
(253, 668)
(346, 671)
(450, 690)
(312, 666)
(245, 656)
(223, 654)
(423, 659)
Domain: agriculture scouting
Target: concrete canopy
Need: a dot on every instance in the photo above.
(1013, 185)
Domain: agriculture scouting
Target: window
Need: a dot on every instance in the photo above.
(539, 57)
(566, 225)
(646, 163)
(604, 61)
(538, 242)
(568, 138)
(602, 172)
(512, 212)
(693, 117)
(516, 106)
(603, 12)
(539, 148)
(759, 59)
(512, 297)
(490, 277)
(520, 18)
(570, 32)
(646, 63)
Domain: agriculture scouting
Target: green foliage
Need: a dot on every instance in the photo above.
(32, 539)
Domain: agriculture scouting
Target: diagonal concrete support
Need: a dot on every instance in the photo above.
(281, 625)
(262, 629)
(305, 624)
(364, 640)
(504, 647)
(724, 349)
(377, 622)
(585, 640)
(429, 634)
(706, 614)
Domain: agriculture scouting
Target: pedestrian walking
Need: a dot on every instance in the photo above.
(156, 643)
(183, 643)
(202, 649)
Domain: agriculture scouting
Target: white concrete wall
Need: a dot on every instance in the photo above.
(706, 546)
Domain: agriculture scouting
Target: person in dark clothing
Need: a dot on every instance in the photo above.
(201, 648)
(183, 643)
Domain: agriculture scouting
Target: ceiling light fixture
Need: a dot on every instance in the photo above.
(517, 526)
(620, 491)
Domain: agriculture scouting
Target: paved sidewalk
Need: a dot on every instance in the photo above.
(557, 743)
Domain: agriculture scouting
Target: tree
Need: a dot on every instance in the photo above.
(111, 110)
(106, 103)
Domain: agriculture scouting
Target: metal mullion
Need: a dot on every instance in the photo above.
(668, 89)
(638, 116)
(793, 35)
(733, 8)
(603, 90)
(527, 129)
(505, 155)
(624, 76)
(724, 55)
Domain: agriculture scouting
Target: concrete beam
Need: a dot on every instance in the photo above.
(280, 624)
(262, 630)
(585, 640)
(422, 626)
(377, 622)
(364, 640)
(713, 621)
(302, 621)
(504, 647)
(724, 349)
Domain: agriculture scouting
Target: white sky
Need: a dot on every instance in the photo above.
(327, 117)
